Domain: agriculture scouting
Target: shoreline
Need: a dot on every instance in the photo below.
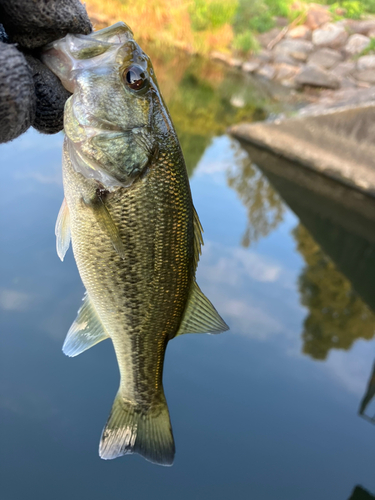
(322, 61)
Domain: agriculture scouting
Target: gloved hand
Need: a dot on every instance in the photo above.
(30, 94)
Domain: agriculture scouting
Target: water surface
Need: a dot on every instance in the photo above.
(268, 410)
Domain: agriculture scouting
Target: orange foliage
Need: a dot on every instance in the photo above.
(164, 22)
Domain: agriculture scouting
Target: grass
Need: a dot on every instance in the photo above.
(201, 26)
(370, 49)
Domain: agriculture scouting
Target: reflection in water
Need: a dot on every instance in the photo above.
(204, 98)
(337, 315)
(360, 493)
(336, 239)
(45, 396)
(264, 206)
(367, 398)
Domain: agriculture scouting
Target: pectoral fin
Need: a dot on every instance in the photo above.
(106, 224)
(62, 230)
(86, 331)
(200, 315)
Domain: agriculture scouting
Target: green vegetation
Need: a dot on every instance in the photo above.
(200, 26)
(212, 15)
(201, 107)
(246, 42)
(204, 99)
(369, 49)
(353, 8)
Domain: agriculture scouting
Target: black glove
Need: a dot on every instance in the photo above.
(30, 94)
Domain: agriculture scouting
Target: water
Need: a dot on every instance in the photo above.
(268, 410)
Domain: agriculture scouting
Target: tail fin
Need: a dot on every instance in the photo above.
(132, 429)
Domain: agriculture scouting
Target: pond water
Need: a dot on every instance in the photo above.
(267, 410)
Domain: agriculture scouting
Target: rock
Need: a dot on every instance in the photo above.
(301, 32)
(343, 69)
(290, 83)
(298, 49)
(237, 101)
(251, 66)
(343, 23)
(219, 56)
(367, 76)
(284, 59)
(286, 71)
(281, 21)
(340, 11)
(234, 62)
(267, 71)
(316, 16)
(330, 35)
(361, 27)
(348, 83)
(265, 55)
(366, 62)
(356, 44)
(346, 97)
(325, 58)
(265, 38)
(363, 85)
(317, 77)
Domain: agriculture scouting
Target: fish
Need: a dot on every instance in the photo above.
(135, 233)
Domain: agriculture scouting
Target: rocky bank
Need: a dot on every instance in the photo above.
(319, 54)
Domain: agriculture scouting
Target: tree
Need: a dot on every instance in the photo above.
(265, 209)
(337, 315)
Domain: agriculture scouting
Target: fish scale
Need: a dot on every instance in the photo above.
(135, 234)
(158, 266)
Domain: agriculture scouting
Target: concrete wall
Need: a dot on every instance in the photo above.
(339, 144)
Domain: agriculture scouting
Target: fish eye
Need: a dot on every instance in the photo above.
(135, 78)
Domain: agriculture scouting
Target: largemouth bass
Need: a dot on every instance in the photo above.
(135, 234)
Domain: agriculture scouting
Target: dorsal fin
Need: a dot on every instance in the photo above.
(86, 331)
(62, 230)
(200, 316)
(198, 238)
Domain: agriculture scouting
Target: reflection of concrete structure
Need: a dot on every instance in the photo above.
(340, 219)
(338, 144)
(369, 395)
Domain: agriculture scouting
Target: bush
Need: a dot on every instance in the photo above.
(368, 6)
(253, 15)
(245, 42)
(354, 8)
(211, 14)
(279, 7)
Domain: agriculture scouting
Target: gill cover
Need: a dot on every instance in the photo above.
(108, 120)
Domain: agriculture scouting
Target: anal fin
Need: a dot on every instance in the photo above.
(62, 230)
(86, 331)
(200, 316)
